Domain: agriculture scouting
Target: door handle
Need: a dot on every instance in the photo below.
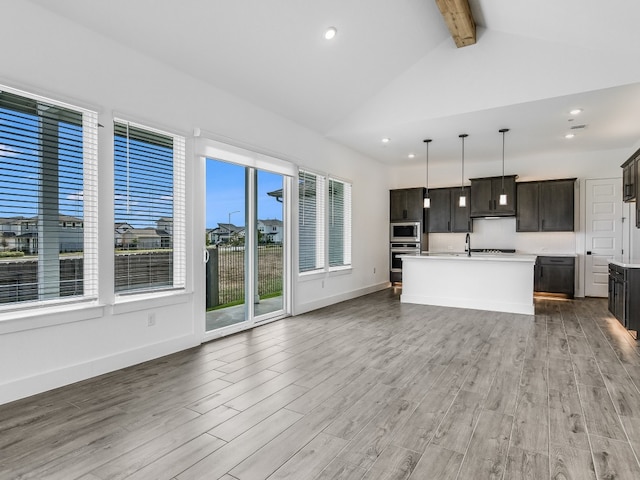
(589, 252)
(206, 256)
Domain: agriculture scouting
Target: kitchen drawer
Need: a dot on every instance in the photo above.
(569, 261)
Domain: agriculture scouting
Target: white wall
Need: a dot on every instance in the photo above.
(42, 349)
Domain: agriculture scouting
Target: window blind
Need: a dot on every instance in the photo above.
(311, 215)
(48, 199)
(339, 223)
(149, 190)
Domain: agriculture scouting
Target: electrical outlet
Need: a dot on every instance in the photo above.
(449, 247)
(151, 320)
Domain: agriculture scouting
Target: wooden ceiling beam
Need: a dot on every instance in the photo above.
(457, 15)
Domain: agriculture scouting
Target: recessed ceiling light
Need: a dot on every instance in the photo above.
(412, 155)
(386, 140)
(575, 111)
(569, 135)
(330, 33)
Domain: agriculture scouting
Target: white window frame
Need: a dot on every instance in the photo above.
(179, 218)
(90, 211)
(346, 234)
(323, 233)
(321, 226)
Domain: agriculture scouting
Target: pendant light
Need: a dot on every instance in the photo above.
(503, 195)
(462, 201)
(427, 200)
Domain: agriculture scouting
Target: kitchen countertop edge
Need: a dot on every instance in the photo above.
(500, 257)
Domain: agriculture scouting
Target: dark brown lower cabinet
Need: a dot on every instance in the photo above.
(555, 275)
(624, 295)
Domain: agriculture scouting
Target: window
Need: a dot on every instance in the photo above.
(48, 159)
(149, 209)
(339, 223)
(311, 221)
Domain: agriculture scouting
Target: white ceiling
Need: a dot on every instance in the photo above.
(393, 70)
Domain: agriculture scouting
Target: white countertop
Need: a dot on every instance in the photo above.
(477, 256)
(620, 263)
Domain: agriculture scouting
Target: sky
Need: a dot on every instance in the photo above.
(20, 158)
(226, 194)
(149, 184)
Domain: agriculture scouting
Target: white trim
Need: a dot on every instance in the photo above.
(48, 316)
(341, 297)
(215, 150)
(146, 301)
(50, 379)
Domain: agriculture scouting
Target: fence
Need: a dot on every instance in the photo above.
(226, 273)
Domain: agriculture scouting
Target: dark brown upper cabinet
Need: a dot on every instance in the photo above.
(406, 204)
(546, 206)
(445, 215)
(629, 177)
(485, 196)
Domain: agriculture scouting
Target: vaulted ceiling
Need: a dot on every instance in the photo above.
(394, 71)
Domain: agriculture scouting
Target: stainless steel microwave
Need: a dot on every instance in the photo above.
(405, 232)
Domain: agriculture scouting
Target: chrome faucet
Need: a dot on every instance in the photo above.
(467, 245)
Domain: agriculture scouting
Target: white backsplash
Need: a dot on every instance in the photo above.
(501, 233)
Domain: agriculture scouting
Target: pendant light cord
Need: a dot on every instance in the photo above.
(503, 131)
(427, 141)
(503, 162)
(462, 136)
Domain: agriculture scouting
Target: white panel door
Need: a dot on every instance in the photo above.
(603, 232)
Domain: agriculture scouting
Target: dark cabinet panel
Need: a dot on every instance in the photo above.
(624, 295)
(528, 217)
(636, 169)
(546, 206)
(439, 215)
(557, 205)
(555, 275)
(397, 201)
(481, 197)
(406, 204)
(629, 175)
(485, 196)
(460, 218)
(445, 215)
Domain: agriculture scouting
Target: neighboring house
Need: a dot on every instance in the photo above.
(272, 230)
(129, 237)
(224, 233)
(121, 230)
(22, 234)
(9, 231)
(165, 224)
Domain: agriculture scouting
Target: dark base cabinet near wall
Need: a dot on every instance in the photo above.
(624, 295)
(555, 274)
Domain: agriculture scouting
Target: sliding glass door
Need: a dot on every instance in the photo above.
(245, 246)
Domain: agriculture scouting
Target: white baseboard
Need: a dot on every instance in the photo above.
(25, 387)
(325, 302)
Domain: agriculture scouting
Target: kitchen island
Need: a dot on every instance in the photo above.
(496, 282)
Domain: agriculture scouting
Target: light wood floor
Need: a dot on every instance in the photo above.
(369, 388)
